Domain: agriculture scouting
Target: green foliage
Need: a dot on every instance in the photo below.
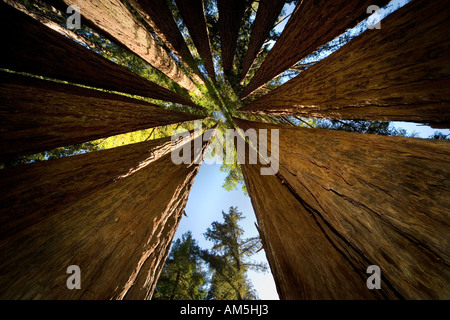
(373, 127)
(439, 136)
(228, 259)
(52, 154)
(234, 178)
(182, 277)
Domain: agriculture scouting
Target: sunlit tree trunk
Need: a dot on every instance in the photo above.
(113, 18)
(312, 24)
(378, 200)
(160, 18)
(35, 48)
(112, 213)
(384, 74)
(38, 115)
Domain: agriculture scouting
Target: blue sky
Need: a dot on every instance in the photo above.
(205, 204)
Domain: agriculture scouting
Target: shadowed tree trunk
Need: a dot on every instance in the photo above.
(113, 17)
(387, 74)
(230, 16)
(35, 48)
(380, 201)
(303, 260)
(193, 14)
(39, 115)
(266, 16)
(110, 212)
(312, 24)
(158, 15)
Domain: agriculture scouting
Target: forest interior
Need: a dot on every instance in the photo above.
(326, 123)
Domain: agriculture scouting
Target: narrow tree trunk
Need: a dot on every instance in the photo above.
(379, 200)
(193, 14)
(113, 17)
(384, 74)
(230, 16)
(35, 48)
(266, 16)
(312, 24)
(110, 212)
(38, 115)
(158, 15)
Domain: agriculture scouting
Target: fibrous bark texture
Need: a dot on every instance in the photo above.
(38, 115)
(113, 18)
(266, 16)
(230, 16)
(378, 200)
(109, 212)
(304, 262)
(193, 14)
(35, 48)
(312, 24)
(399, 72)
(160, 18)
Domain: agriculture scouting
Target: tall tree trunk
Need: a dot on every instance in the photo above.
(193, 14)
(304, 262)
(38, 115)
(379, 200)
(230, 16)
(158, 15)
(109, 212)
(35, 48)
(113, 18)
(385, 74)
(266, 16)
(312, 24)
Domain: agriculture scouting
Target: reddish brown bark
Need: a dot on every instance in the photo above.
(379, 200)
(266, 16)
(159, 16)
(114, 18)
(110, 212)
(35, 48)
(193, 14)
(230, 16)
(387, 74)
(304, 262)
(38, 115)
(312, 24)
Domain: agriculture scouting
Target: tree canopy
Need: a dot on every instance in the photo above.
(219, 273)
(228, 259)
(182, 277)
